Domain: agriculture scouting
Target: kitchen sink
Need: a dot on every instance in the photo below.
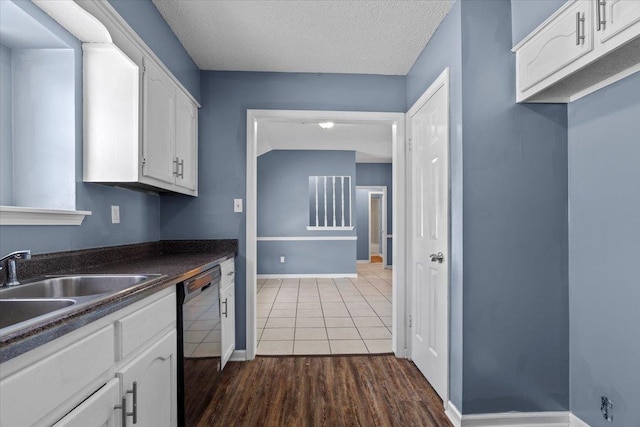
(19, 310)
(74, 286)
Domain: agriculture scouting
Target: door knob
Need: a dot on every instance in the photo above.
(439, 257)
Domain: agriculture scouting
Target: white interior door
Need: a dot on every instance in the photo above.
(429, 120)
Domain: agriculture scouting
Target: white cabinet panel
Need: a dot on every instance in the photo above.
(621, 21)
(154, 373)
(98, 410)
(228, 322)
(557, 45)
(158, 146)
(186, 142)
(227, 272)
(111, 83)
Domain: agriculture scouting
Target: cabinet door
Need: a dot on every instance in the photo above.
(154, 372)
(621, 22)
(228, 322)
(557, 45)
(186, 141)
(159, 124)
(98, 410)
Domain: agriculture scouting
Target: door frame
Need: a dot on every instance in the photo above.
(442, 81)
(382, 190)
(399, 174)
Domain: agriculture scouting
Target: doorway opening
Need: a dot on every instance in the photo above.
(327, 203)
(375, 228)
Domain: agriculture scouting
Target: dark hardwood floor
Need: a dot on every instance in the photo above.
(319, 391)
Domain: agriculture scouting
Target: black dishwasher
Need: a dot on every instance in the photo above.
(199, 347)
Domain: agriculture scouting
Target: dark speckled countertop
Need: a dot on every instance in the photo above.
(174, 260)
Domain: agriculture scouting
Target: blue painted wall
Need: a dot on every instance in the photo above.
(226, 96)
(149, 24)
(515, 229)
(283, 211)
(604, 247)
(308, 257)
(512, 201)
(375, 174)
(139, 211)
(526, 15)
(445, 50)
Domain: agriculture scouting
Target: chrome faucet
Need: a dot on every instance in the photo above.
(12, 275)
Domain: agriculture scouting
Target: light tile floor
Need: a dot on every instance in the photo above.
(326, 316)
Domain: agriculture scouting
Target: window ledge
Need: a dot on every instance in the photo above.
(15, 215)
(329, 228)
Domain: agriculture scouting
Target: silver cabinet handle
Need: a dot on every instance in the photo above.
(599, 14)
(439, 257)
(579, 37)
(225, 308)
(181, 166)
(134, 391)
(175, 167)
(123, 405)
(123, 408)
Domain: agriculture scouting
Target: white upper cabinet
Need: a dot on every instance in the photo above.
(186, 150)
(140, 122)
(584, 46)
(564, 40)
(158, 147)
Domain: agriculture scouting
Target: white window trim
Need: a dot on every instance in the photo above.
(17, 215)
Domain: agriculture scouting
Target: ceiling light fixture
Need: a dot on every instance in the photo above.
(326, 125)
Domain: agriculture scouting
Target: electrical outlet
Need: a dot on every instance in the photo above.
(115, 214)
(237, 205)
(281, 260)
(606, 407)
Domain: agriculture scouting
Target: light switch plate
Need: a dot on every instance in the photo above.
(115, 214)
(237, 205)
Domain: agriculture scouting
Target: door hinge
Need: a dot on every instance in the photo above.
(409, 144)
(144, 162)
(409, 320)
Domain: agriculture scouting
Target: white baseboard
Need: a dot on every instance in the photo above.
(363, 261)
(513, 419)
(453, 414)
(238, 356)
(308, 276)
(574, 421)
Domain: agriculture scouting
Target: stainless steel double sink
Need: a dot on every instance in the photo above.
(39, 299)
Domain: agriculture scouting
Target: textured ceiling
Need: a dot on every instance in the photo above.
(317, 36)
(371, 142)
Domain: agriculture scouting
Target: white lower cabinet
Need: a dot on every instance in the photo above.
(227, 310)
(150, 381)
(228, 322)
(83, 378)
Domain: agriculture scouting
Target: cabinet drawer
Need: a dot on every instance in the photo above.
(227, 271)
(33, 392)
(98, 410)
(137, 328)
